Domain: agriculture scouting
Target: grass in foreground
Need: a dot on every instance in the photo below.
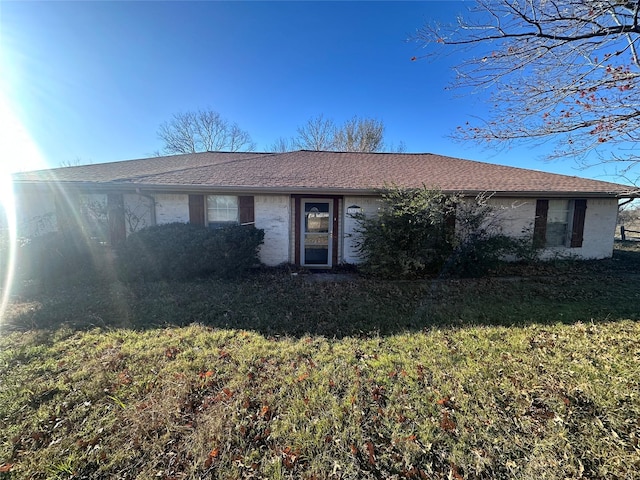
(481, 402)
(278, 377)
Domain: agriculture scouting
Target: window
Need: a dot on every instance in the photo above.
(222, 210)
(559, 223)
(94, 216)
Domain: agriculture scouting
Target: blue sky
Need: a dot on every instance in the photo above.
(94, 80)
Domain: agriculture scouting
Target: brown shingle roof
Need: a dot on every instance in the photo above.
(329, 172)
(129, 170)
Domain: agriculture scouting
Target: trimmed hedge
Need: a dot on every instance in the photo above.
(177, 251)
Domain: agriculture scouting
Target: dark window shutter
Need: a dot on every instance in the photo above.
(450, 226)
(577, 230)
(64, 217)
(115, 219)
(246, 210)
(196, 209)
(540, 224)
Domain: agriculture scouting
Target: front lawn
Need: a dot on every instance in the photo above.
(278, 376)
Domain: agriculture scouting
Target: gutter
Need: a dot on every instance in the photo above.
(147, 189)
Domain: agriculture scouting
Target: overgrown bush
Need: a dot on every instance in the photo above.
(479, 242)
(420, 232)
(482, 252)
(180, 251)
(411, 236)
(54, 256)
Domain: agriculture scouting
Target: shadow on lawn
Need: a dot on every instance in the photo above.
(277, 303)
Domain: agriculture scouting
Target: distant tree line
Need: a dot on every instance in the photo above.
(207, 130)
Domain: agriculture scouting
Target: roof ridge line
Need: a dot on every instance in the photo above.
(185, 169)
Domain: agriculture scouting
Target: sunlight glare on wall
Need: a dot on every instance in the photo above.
(17, 152)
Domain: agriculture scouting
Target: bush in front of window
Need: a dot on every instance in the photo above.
(233, 249)
(178, 251)
(421, 232)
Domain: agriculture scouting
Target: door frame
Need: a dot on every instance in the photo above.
(299, 226)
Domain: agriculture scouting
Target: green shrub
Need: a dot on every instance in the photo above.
(481, 252)
(480, 245)
(420, 232)
(53, 256)
(234, 249)
(180, 251)
(411, 236)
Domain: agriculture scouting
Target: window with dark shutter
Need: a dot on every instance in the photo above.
(64, 216)
(115, 218)
(196, 209)
(559, 223)
(577, 231)
(450, 225)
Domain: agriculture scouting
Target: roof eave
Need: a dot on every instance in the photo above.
(301, 190)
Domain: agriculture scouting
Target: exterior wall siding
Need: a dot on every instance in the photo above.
(599, 232)
(340, 234)
(138, 212)
(292, 230)
(369, 206)
(172, 207)
(273, 215)
(600, 227)
(36, 213)
(518, 216)
(514, 216)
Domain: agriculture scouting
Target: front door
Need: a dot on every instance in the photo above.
(316, 243)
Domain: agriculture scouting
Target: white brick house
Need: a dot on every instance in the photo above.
(303, 199)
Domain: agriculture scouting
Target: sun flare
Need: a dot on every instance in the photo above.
(17, 152)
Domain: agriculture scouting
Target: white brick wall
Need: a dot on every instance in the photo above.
(599, 225)
(138, 212)
(370, 207)
(599, 231)
(273, 214)
(36, 213)
(599, 228)
(515, 215)
(171, 208)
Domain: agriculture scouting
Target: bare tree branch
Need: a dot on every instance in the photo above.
(360, 135)
(317, 134)
(355, 135)
(201, 131)
(283, 145)
(567, 70)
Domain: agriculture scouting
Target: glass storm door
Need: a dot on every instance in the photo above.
(316, 245)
